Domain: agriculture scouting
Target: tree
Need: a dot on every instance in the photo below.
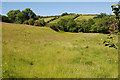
(100, 16)
(19, 18)
(68, 25)
(63, 14)
(42, 22)
(31, 21)
(28, 14)
(5, 19)
(116, 11)
(12, 15)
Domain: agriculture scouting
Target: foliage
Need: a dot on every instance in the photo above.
(85, 26)
(19, 18)
(25, 22)
(5, 19)
(110, 42)
(42, 22)
(116, 11)
(67, 25)
(37, 17)
(37, 23)
(100, 16)
(31, 21)
(63, 14)
(12, 15)
(28, 14)
(102, 25)
(16, 16)
(98, 25)
(54, 26)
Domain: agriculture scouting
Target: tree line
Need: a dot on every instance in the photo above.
(99, 24)
(26, 16)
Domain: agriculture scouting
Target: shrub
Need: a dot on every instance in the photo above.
(100, 16)
(85, 26)
(37, 23)
(63, 14)
(31, 21)
(5, 19)
(67, 25)
(54, 26)
(25, 22)
(42, 22)
(102, 25)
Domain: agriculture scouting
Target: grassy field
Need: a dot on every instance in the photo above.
(63, 17)
(80, 17)
(29, 52)
(47, 19)
(84, 17)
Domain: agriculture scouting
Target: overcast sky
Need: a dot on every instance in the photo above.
(59, 0)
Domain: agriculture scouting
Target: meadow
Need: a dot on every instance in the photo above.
(64, 17)
(84, 17)
(47, 19)
(40, 52)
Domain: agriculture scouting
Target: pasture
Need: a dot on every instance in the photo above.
(86, 17)
(40, 52)
(63, 17)
(47, 19)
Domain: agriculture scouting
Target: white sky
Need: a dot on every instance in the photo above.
(60, 0)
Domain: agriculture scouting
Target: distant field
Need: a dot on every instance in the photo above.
(40, 52)
(80, 17)
(67, 16)
(47, 19)
(84, 17)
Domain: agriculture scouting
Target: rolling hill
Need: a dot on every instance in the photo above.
(39, 52)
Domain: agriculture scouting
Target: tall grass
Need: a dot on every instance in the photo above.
(31, 52)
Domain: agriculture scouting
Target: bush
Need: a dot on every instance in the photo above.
(25, 22)
(85, 26)
(37, 23)
(100, 16)
(63, 14)
(102, 25)
(31, 21)
(40, 22)
(5, 19)
(54, 26)
(67, 25)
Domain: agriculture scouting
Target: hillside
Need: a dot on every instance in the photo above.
(76, 17)
(31, 52)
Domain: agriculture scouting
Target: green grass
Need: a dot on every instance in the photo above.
(47, 19)
(84, 17)
(30, 52)
(63, 17)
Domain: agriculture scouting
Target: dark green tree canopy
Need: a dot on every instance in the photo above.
(28, 13)
(63, 14)
(116, 10)
(17, 16)
(12, 14)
